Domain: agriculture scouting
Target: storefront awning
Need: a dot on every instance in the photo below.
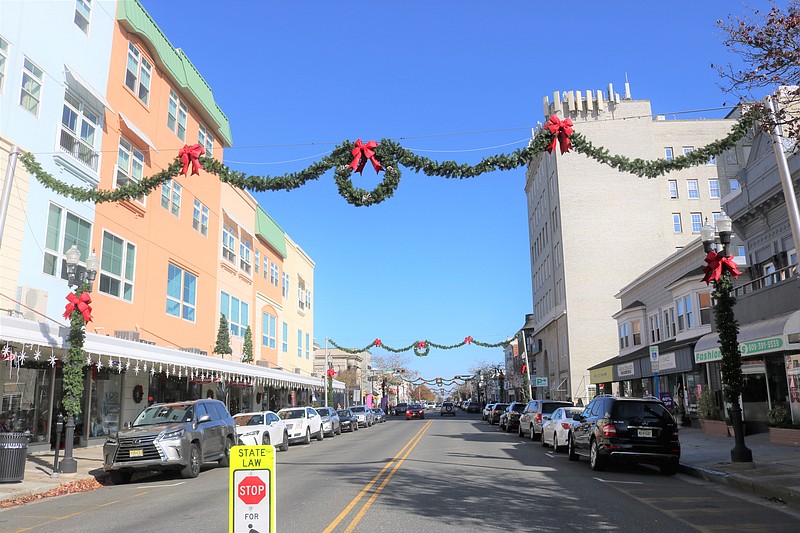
(756, 338)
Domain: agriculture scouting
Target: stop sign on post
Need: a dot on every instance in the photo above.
(251, 490)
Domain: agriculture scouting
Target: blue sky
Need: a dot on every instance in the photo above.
(442, 259)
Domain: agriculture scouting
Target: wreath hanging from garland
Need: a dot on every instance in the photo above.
(138, 394)
(387, 156)
(421, 348)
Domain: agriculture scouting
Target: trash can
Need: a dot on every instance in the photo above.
(13, 454)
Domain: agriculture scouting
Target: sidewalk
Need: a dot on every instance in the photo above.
(773, 474)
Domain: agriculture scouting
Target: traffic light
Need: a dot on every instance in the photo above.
(457, 377)
(399, 370)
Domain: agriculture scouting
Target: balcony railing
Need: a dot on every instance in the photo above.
(763, 282)
(79, 149)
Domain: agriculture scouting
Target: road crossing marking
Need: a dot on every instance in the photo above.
(601, 480)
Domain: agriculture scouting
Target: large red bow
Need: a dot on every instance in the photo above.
(190, 154)
(524, 368)
(377, 342)
(82, 303)
(561, 130)
(468, 339)
(421, 344)
(716, 263)
(361, 153)
(331, 372)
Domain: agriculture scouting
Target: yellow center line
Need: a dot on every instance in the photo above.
(367, 505)
(360, 495)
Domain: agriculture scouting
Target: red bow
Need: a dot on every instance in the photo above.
(361, 153)
(561, 130)
(191, 153)
(377, 342)
(82, 303)
(331, 372)
(524, 368)
(716, 264)
(421, 345)
(468, 340)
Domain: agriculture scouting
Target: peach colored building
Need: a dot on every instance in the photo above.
(271, 330)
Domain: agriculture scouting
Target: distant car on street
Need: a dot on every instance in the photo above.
(261, 427)
(331, 425)
(415, 410)
(302, 423)
(378, 415)
(364, 415)
(348, 420)
(400, 409)
(448, 408)
(555, 431)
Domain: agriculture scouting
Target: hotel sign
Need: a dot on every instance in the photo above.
(745, 348)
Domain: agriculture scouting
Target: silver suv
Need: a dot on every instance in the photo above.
(536, 412)
(171, 436)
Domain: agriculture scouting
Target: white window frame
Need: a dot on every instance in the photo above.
(57, 242)
(274, 273)
(32, 73)
(144, 69)
(692, 189)
(245, 256)
(301, 294)
(186, 305)
(734, 184)
(81, 138)
(285, 338)
(200, 218)
(299, 343)
(285, 287)
(677, 227)
(171, 192)
(237, 325)
(706, 313)
(256, 261)
(268, 330)
(688, 150)
(83, 17)
(177, 115)
(713, 187)
(673, 189)
(125, 277)
(3, 62)
(205, 140)
(697, 221)
(624, 336)
(229, 235)
(655, 328)
(669, 153)
(132, 172)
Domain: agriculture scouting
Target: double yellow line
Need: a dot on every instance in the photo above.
(393, 464)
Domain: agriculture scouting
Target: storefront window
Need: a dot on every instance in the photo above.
(26, 399)
(105, 403)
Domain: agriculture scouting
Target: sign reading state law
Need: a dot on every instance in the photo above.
(745, 348)
(251, 501)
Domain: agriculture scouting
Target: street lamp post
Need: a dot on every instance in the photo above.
(527, 331)
(721, 270)
(82, 280)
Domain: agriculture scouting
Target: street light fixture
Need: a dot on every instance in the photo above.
(527, 332)
(721, 269)
(82, 280)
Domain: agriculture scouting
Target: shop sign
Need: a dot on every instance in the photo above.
(625, 370)
(602, 375)
(745, 348)
(666, 361)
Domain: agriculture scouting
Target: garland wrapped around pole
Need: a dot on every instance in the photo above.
(421, 348)
(386, 156)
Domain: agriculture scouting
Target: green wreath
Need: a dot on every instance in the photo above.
(422, 353)
(138, 394)
(385, 189)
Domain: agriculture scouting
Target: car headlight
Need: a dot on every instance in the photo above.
(249, 433)
(177, 434)
(111, 440)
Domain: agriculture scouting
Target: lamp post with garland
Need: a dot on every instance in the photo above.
(721, 270)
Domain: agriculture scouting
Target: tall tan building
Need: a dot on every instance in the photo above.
(593, 229)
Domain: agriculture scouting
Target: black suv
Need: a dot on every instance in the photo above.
(509, 419)
(633, 430)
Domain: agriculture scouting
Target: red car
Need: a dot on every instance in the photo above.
(415, 410)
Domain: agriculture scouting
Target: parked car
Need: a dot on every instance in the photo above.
(509, 419)
(378, 415)
(448, 408)
(261, 427)
(415, 410)
(331, 425)
(535, 413)
(555, 430)
(178, 436)
(364, 415)
(348, 420)
(486, 410)
(633, 430)
(494, 414)
(472, 407)
(400, 409)
(302, 423)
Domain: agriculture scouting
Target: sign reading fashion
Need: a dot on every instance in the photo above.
(745, 348)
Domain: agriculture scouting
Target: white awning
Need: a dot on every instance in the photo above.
(84, 89)
(760, 337)
(136, 131)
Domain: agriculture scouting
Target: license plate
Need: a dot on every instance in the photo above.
(140, 453)
(644, 433)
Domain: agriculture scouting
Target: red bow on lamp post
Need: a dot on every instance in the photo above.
(361, 153)
(190, 154)
(561, 130)
(331, 373)
(716, 264)
(523, 369)
(81, 303)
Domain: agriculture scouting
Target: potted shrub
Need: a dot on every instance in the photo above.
(781, 430)
(708, 412)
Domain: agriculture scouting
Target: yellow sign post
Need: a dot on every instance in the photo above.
(251, 500)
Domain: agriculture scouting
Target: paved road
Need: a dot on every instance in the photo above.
(438, 474)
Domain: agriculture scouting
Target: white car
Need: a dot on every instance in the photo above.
(261, 427)
(302, 423)
(555, 431)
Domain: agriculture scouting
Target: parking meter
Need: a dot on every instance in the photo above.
(59, 429)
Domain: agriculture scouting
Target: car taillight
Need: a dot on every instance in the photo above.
(539, 417)
(609, 430)
(564, 426)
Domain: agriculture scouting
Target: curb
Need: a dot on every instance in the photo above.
(743, 483)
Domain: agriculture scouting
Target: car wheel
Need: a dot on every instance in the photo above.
(533, 435)
(669, 469)
(320, 434)
(225, 460)
(596, 461)
(339, 432)
(544, 441)
(520, 432)
(192, 468)
(508, 427)
(307, 440)
(572, 456)
(556, 447)
(265, 438)
(285, 443)
(121, 477)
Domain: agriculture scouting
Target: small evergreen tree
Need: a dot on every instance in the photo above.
(248, 346)
(223, 337)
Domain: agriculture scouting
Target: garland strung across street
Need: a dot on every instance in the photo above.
(421, 348)
(387, 156)
(439, 382)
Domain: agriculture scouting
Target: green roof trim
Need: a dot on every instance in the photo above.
(271, 231)
(133, 17)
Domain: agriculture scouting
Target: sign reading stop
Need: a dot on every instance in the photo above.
(251, 490)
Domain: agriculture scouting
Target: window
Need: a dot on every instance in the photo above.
(676, 223)
(257, 261)
(285, 338)
(117, 265)
(712, 160)
(236, 311)
(285, 289)
(705, 308)
(685, 315)
(714, 217)
(200, 218)
(688, 150)
(31, 91)
(713, 188)
(171, 196)
(669, 155)
(655, 329)
(791, 255)
(673, 188)
(636, 329)
(301, 293)
(741, 253)
(3, 61)
(768, 269)
(83, 12)
(176, 115)
(681, 319)
(138, 73)
(181, 293)
(78, 127)
(245, 250)
(689, 314)
(624, 336)
(130, 164)
(228, 243)
(205, 140)
(299, 342)
(692, 189)
(734, 184)
(265, 268)
(697, 222)
(273, 273)
(669, 323)
(268, 330)
(308, 299)
(308, 345)
(63, 230)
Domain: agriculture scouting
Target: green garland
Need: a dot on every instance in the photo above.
(728, 328)
(73, 365)
(391, 155)
(419, 351)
